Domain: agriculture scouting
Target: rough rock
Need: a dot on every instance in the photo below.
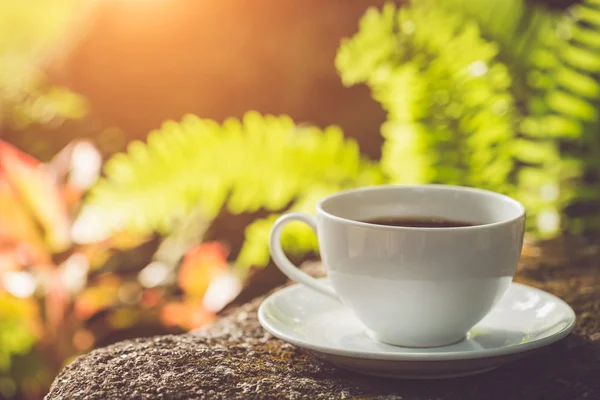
(236, 359)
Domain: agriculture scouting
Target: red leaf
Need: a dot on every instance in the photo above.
(8, 259)
(201, 265)
(20, 239)
(36, 188)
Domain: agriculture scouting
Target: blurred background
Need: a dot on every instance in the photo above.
(147, 146)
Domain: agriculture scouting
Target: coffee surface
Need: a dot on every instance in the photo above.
(418, 222)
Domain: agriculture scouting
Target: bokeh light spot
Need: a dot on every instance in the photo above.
(83, 339)
(155, 274)
(478, 68)
(19, 283)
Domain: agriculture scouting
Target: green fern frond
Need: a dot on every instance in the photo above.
(371, 49)
(260, 162)
(558, 82)
(529, 37)
(576, 78)
(450, 110)
(517, 26)
(561, 106)
(527, 126)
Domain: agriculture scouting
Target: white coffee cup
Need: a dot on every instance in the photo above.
(413, 287)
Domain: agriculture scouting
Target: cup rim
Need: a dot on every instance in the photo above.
(500, 196)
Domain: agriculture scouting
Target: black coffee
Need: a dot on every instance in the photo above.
(418, 222)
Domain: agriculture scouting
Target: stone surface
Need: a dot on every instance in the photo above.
(235, 358)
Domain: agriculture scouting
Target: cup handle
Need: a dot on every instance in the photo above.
(284, 264)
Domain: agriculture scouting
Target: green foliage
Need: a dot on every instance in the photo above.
(16, 334)
(557, 97)
(258, 163)
(571, 93)
(42, 103)
(517, 26)
(559, 87)
(499, 95)
(27, 29)
(451, 115)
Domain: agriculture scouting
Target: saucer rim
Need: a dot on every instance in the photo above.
(421, 355)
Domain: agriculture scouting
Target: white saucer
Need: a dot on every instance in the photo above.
(524, 320)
